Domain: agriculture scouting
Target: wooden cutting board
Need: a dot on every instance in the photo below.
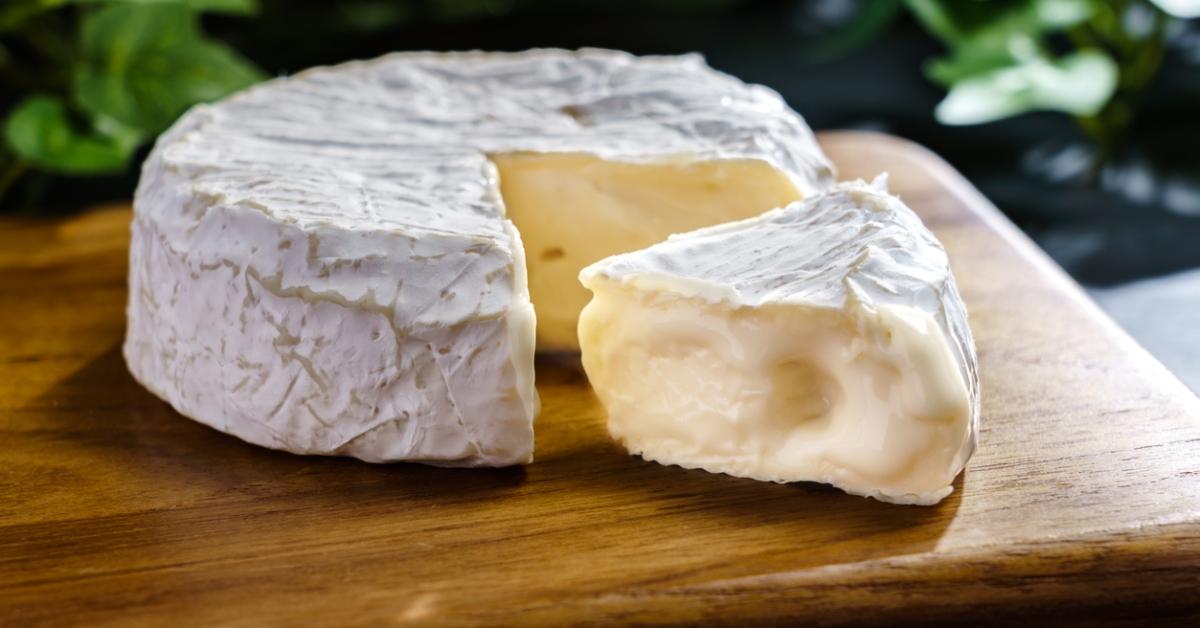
(1082, 501)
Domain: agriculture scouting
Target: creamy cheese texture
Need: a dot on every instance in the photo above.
(577, 209)
(326, 263)
(824, 341)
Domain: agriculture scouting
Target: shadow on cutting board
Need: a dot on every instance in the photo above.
(106, 440)
(106, 447)
(800, 524)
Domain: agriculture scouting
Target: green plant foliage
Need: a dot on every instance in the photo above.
(1079, 84)
(40, 130)
(145, 65)
(999, 64)
(1091, 59)
(234, 7)
(15, 13)
(992, 23)
(105, 77)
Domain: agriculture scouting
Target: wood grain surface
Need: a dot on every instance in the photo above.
(1083, 501)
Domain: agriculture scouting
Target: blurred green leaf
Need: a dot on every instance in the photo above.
(40, 131)
(235, 7)
(993, 23)
(1080, 84)
(145, 65)
(937, 18)
(967, 62)
(118, 131)
(1052, 15)
(14, 13)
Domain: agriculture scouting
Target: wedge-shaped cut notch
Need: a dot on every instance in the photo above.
(574, 209)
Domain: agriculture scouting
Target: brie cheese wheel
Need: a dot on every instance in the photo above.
(823, 341)
(328, 263)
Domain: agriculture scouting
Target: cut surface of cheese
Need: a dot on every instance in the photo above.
(824, 341)
(325, 263)
(573, 210)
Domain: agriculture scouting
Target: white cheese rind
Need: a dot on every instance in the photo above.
(844, 303)
(322, 264)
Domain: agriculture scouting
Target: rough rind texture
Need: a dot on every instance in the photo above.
(854, 244)
(321, 264)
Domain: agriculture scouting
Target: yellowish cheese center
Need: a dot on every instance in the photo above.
(575, 209)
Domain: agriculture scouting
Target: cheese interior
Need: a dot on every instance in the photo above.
(575, 209)
(869, 401)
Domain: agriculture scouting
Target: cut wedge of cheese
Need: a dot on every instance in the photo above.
(325, 263)
(824, 341)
